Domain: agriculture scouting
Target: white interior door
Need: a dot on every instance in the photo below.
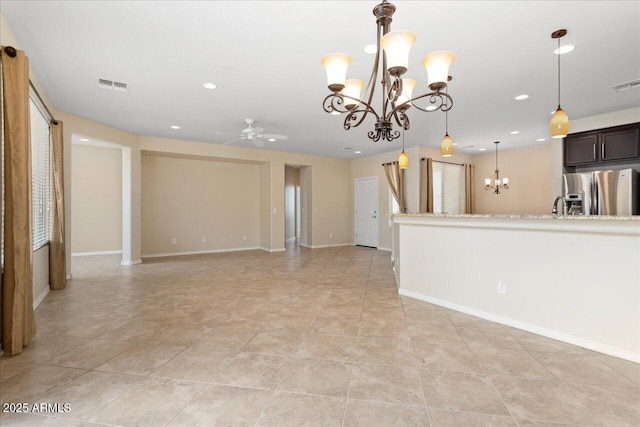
(366, 212)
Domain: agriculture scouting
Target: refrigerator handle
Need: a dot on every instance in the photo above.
(594, 196)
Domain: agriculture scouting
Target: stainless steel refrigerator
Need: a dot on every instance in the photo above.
(606, 192)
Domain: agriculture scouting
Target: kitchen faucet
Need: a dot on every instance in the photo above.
(554, 210)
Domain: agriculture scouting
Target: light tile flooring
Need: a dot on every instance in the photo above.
(307, 337)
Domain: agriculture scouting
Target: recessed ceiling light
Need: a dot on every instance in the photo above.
(515, 132)
(455, 143)
(175, 127)
(335, 113)
(84, 139)
(357, 152)
(370, 49)
(482, 149)
(521, 97)
(431, 108)
(209, 86)
(540, 139)
(271, 139)
(564, 49)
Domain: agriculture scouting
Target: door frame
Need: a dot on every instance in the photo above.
(355, 216)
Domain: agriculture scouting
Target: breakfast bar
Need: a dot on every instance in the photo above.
(572, 278)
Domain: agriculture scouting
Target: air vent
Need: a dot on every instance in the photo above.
(105, 84)
(626, 86)
(120, 87)
(111, 85)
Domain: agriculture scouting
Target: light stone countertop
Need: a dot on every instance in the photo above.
(505, 216)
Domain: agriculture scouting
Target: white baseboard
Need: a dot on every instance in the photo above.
(380, 248)
(37, 301)
(132, 262)
(272, 250)
(96, 253)
(206, 251)
(327, 246)
(569, 339)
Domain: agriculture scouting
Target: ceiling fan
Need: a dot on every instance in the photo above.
(255, 135)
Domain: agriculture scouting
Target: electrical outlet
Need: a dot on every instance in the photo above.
(502, 288)
(222, 238)
(174, 241)
(244, 237)
(330, 235)
(204, 239)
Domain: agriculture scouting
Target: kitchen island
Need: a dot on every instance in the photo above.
(573, 278)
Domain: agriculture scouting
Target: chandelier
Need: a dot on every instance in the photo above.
(397, 91)
(496, 184)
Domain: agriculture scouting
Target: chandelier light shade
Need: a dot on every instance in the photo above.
(336, 65)
(437, 65)
(397, 45)
(391, 63)
(496, 184)
(407, 90)
(559, 126)
(351, 92)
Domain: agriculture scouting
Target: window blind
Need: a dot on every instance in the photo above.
(448, 188)
(40, 176)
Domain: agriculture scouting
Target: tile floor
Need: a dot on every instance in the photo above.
(306, 337)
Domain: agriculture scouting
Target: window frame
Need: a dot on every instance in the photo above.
(41, 186)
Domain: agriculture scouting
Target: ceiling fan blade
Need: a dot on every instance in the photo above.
(233, 140)
(271, 136)
(257, 142)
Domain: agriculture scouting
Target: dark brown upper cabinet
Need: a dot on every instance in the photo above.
(615, 144)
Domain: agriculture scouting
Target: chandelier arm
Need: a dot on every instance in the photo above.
(334, 102)
(443, 101)
(401, 118)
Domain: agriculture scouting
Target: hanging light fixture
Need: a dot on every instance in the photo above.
(496, 184)
(446, 145)
(559, 126)
(403, 160)
(392, 57)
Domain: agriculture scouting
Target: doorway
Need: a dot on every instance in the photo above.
(291, 204)
(366, 212)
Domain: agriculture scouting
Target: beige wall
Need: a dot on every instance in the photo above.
(325, 181)
(96, 199)
(192, 200)
(131, 227)
(529, 173)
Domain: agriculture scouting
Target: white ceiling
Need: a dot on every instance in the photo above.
(264, 56)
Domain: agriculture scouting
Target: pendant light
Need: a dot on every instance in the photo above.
(559, 126)
(403, 160)
(446, 145)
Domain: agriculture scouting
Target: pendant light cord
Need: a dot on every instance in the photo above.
(558, 72)
(446, 113)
